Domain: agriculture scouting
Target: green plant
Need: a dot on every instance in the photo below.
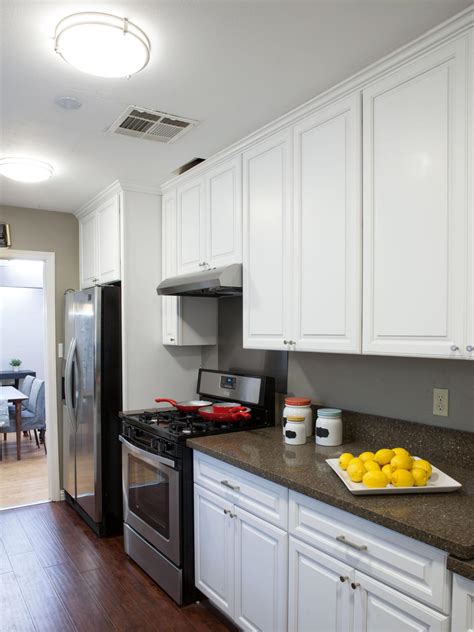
(15, 362)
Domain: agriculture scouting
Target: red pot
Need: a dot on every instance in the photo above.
(224, 413)
(185, 407)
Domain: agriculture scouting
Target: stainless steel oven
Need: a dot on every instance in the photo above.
(151, 498)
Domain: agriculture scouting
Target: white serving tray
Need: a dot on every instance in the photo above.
(439, 482)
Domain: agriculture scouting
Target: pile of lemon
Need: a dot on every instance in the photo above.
(395, 466)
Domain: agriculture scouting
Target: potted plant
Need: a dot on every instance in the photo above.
(15, 363)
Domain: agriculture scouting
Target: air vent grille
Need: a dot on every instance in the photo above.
(158, 126)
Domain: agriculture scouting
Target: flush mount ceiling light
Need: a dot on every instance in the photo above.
(25, 169)
(101, 44)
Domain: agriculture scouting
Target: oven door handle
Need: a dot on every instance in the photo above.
(149, 455)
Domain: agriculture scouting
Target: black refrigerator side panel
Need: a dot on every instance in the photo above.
(111, 404)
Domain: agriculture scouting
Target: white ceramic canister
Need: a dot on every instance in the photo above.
(329, 426)
(295, 431)
(299, 407)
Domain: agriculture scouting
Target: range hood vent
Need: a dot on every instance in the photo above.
(213, 283)
(150, 124)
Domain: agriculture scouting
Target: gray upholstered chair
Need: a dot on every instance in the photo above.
(33, 416)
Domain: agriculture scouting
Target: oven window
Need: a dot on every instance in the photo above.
(148, 495)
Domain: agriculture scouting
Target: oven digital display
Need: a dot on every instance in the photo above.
(228, 382)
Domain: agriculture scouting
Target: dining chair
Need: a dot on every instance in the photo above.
(33, 417)
(25, 388)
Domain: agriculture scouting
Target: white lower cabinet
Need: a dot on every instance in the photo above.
(319, 595)
(463, 605)
(378, 607)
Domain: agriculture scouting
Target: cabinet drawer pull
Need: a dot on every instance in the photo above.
(469, 348)
(342, 578)
(354, 585)
(358, 547)
(454, 348)
(235, 488)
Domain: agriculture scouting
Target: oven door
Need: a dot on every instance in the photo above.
(151, 498)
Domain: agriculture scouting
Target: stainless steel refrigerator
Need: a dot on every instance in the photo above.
(92, 398)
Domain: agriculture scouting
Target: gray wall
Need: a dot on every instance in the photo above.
(401, 388)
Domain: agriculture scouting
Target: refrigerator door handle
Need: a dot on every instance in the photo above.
(68, 382)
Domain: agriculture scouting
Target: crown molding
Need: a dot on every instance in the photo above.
(437, 36)
(118, 186)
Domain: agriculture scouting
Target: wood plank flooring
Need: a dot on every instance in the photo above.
(56, 575)
(26, 481)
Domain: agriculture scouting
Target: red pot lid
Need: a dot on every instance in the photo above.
(297, 401)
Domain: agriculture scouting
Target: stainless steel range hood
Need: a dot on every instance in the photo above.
(216, 282)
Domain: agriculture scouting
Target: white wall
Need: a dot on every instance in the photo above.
(22, 315)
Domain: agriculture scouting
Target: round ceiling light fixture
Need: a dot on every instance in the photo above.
(101, 44)
(25, 169)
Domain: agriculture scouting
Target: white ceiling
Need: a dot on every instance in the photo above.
(233, 65)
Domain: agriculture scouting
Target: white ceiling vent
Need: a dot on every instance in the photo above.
(142, 123)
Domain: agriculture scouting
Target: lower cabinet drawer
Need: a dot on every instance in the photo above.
(260, 497)
(412, 567)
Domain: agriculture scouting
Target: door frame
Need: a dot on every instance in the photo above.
(50, 366)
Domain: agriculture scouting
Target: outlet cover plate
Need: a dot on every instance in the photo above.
(441, 402)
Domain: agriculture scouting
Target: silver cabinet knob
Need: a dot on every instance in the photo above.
(286, 342)
(227, 511)
(171, 339)
(454, 348)
(354, 585)
(342, 578)
(469, 348)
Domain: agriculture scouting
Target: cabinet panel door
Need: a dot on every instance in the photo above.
(462, 619)
(224, 214)
(169, 239)
(261, 566)
(267, 243)
(318, 598)
(191, 247)
(88, 248)
(415, 194)
(108, 238)
(328, 229)
(214, 534)
(378, 607)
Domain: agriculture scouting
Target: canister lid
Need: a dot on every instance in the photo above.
(297, 401)
(329, 412)
(295, 419)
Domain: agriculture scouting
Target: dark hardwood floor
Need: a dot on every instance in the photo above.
(57, 576)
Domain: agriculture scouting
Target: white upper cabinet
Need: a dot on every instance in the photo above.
(415, 207)
(224, 214)
(267, 242)
(327, 258)
(99, 243)
(191, 226)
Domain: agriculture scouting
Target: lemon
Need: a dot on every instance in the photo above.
(371, 466)
(356, 460)
(420, 476)
(402, 478)
(356, 471)
(424, 465)
(384, 456)
(345, 459)
(400, 451)
(367, 456)
(375, 478)
(388, 470)
(402, 462)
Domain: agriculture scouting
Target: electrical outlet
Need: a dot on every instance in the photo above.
(441, 402)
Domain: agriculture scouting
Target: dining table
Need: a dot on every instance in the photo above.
(15, 396)
(16, 376)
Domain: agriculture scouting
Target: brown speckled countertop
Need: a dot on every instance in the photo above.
(461, 567)
(444, 520)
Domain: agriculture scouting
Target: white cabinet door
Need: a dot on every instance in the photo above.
(378, 607)
(320, 594)
(261, 567)
(328, 229)
(108, 240)
(214, 534)
(224, 214)
(267, 257)
(191, 226)
(169, 240)
(88, 249)
(415, 198)
(462, 619)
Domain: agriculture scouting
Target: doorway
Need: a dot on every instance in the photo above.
(28, 335)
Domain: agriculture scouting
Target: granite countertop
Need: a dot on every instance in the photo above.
(444, 520)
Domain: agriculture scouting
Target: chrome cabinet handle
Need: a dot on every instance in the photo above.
(469, 348)
(171, 339)
(454, 348)
(343, 578)
(354, 585)
(227, 511)
(235, 488)
(358, 547)
(232, 515)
